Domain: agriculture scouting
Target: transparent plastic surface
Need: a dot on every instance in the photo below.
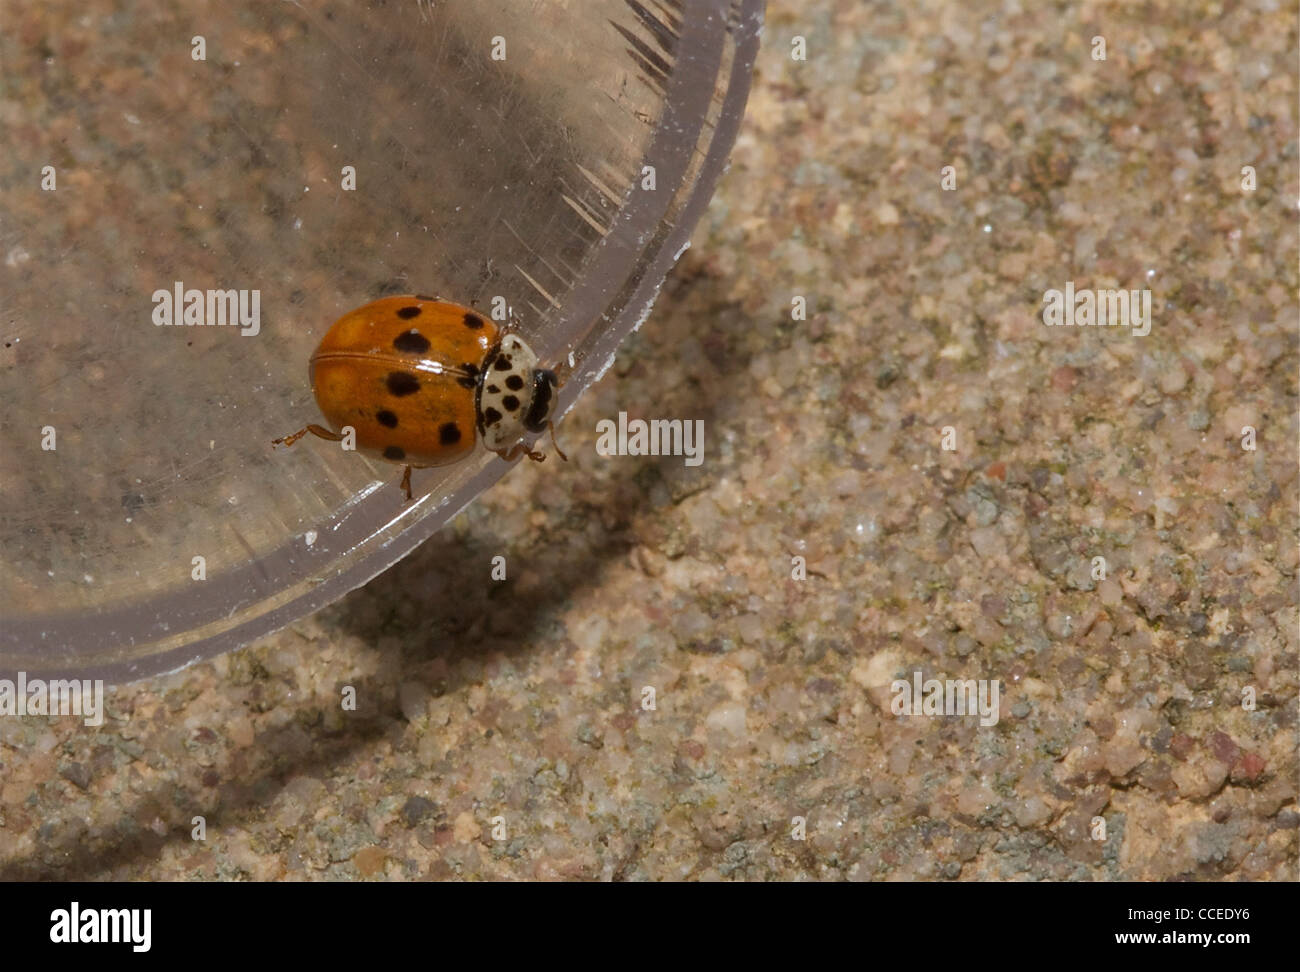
(499, 149)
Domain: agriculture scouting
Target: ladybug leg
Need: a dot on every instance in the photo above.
(317, 430)
(406, 483)
(519, 449)
(555, 445)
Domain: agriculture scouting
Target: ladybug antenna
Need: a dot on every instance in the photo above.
(565, 367)
(551, 425)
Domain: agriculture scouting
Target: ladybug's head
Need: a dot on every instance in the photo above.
(543, 404)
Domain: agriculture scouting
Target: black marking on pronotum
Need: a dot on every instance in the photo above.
(394, 453)
(510, 402)
(406, 313)
(492, 416)
(449, 434)
(539, 410)
(494, 389)
(387, 418)
(401, 383)
(412, 342)
(473, 322)
(514, 382)
(502, 363)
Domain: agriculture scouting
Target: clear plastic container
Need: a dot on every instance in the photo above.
(499, 149)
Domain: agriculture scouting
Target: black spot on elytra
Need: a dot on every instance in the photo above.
(406, 313)
(470, 378)
(502, 363)
(491, 416)
(514, 383)
(411, 341)
(387, 418)
(473, 322)
(400, 383)
(394, 453)
(510, 402)
(449, 434)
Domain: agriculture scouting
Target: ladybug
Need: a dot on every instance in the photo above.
(420, 378)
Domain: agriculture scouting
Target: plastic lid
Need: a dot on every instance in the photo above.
(553, 155)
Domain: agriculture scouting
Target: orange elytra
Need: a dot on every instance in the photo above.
(421, 379)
